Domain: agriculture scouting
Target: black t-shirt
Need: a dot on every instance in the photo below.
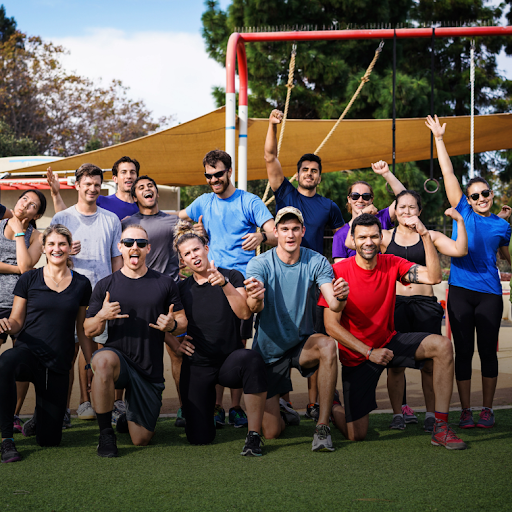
(3, 209)
(212, 324)
(144, 299)
(49, 328)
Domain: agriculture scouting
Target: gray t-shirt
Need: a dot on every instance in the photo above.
(99, 235)
(160, 228)
(290, 300)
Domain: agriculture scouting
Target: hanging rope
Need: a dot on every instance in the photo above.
(432, 76)
(472, 136)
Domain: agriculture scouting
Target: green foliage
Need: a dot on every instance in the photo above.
(10, 145)
(7, 25)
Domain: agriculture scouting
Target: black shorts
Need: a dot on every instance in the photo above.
(418, 313)
(278, 372)
(246, 328)
(143, 398)
(360, 382)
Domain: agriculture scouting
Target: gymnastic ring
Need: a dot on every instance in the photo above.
(431, 191)
(389, 189)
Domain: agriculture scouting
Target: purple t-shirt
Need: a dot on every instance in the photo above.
(115, 205)
(340, 250)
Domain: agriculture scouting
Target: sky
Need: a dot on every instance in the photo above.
(153, 46)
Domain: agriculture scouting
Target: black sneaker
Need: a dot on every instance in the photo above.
(398, 423)
(107, 446)
(29, 427)
(9, 452)
(313, 411)
(253, 443)
(122, 424)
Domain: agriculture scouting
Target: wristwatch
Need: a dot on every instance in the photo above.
(226, 281)
(264, 235)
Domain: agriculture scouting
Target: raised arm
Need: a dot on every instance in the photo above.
(451, 183)
(95, 325)
(447, 246)
(26, 258)
(53, 181)
(382, 168)
(274, 169)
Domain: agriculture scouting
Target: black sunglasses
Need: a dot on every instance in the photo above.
(476, 195)
(141, 242)
(217, 174)
(355, 196)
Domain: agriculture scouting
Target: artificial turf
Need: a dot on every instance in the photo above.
(391, 470)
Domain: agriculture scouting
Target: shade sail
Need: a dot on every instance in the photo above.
(174, 156)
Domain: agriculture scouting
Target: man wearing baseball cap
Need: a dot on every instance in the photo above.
(281, 287)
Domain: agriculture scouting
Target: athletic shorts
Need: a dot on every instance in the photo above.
(418, 313)
(278, 372)
(246, 328)
(101, 339)
(360, 382)
(143, 398)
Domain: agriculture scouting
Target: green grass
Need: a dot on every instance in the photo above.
(391, 470)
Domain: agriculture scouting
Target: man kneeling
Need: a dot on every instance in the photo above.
(140, 305)
(366, 333)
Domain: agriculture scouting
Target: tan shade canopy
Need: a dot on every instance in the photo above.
(174, 156)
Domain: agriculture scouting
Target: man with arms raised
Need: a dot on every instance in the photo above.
(141, 305)
(281, 287)
(365, 331)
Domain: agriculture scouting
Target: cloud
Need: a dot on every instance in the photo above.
(169, 71)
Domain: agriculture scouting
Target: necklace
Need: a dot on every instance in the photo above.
(56, 283)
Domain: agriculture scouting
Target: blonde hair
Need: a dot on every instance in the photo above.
(184, 231)
(135, 226)
(60, 229)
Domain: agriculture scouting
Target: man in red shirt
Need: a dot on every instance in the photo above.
(366, 334)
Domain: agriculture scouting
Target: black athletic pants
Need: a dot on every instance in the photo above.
(469, 310)
(241, 369)
(20, 364)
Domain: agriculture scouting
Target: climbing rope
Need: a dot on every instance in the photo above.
(472, 140)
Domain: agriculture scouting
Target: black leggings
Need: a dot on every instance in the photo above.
(20, 364)
(241, 369)
(470, 310)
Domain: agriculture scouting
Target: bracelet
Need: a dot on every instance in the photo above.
(341, 300)
(440, 138)
(175, 326)
(369, 353)
(264, 236)
(19, 234)
(226, 281)
(88, 366)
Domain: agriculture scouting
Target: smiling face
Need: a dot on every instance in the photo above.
(356, 205)
(146, 194)
(481, 204)
(406, 207)
(218, 185)
(289, 234)
(309, 175)
(134, 257)
(56, 249)
(367, 240)
(126, 176)
(88, 189)
(27, 207)
(194, 254)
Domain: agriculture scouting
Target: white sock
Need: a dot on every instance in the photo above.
(429, 415)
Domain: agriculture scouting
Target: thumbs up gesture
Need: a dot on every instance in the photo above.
(199, 227)
(215, 278)
(166, 323)
(111, 310)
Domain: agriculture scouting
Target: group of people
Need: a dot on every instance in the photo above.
(111, 293)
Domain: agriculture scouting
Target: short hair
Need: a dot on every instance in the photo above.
(42, 205)
(477, 179)
(60, 229)
(140, 178)
(412, 193)
(367, 220)
(125, 159)
(212, 158)
(310, 157)
(135, 226)
(88, 170)
(360, 182)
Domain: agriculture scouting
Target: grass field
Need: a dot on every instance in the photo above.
(391, 470)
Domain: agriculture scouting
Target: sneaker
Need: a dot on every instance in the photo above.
(486, 419)
(180, 419)
(443, 435)
(85, 411)
(466, 419)
(17, 425)
(9, 452)
(289, 414)
(119, 408)
(312, 411)
(428, 424)
(322, 439)
(219, 416)
(29, 427)
(336, 398)
(237, 417)
(409, 416)
(107, 446)
(66, 422)
(398, 423)
(253, 443)
(122, 424)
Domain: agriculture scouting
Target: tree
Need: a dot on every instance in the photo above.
(7, 25)
(10, 145)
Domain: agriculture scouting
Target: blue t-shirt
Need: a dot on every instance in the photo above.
(115, 205)
(477, 270)
(290, 300)
(226, 221)
(318, 212)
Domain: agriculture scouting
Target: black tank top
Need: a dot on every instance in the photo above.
(414, 253)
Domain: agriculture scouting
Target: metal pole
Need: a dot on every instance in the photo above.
(394, 101)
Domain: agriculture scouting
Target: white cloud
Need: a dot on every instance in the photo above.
(170, 72)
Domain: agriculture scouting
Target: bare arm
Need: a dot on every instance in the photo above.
(5, 268)
(53, 181)
(335, 294)
(253, 240)
(95, 325)
(255, 294)
(382, 168)
(14, 323)
(7, 214)
(26, 258)
(86, 343)
(504, 254)
(447, 246)
(183, 215)
(117, 263)
(274, 169)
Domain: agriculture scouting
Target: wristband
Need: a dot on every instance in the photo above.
(19, 234)
(369, 353)
(175, 326)
(226, 281)
(88, 366)
(341, 300)
(264, 235)
(440, 138)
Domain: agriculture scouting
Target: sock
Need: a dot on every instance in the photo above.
(441, 416)
(104, 420)
(429, 415)
(253, 432)
(395, 415)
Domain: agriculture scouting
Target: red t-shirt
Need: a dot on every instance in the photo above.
(370, 309)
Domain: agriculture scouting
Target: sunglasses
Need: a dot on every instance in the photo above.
(141, 242)
(218, 174)
(476, 195)
(355, 196)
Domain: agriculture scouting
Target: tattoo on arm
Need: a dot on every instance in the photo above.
(412, 274)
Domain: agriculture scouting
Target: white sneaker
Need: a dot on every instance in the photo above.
(289, 414)
(119, 408)
(85, 411)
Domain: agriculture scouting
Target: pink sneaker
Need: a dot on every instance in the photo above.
(409, 416)
(17, 426)
(486, 419)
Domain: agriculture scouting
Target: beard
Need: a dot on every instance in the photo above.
(225, 185)
(365, 256)
(306, 185)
